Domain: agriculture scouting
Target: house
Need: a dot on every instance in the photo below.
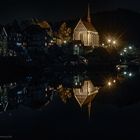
(14, 38)
(86, 32)
(36, 37)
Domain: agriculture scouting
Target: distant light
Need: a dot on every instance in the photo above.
(114, 81)
(65, 41)
(76, 45)
(130, 47)
(103, 44)
(109, 40)
(121, 54)
(19, 44)
(114, 42)
(130, 74)
(109, 83)
(118, 68)
(125, 50)
(76, 83)
(124, 72)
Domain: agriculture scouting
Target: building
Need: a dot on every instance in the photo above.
(74, 48)
(36, 37)
(85, 94)
(86, 32)
(3, 41)
(14, 39)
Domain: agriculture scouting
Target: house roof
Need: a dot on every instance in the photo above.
(88, 89)
(89, 26)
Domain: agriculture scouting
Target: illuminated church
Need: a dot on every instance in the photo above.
(86, 94)
(86, 32)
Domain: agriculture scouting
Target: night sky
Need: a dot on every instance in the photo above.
(53, 10)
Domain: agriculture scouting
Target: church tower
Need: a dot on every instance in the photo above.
(88, 16)
(86, 32)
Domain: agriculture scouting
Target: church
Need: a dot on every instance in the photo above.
(86, 32)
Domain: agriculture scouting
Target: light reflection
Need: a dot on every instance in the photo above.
(109, 84)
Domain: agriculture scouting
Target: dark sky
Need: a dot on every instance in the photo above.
(54, 10)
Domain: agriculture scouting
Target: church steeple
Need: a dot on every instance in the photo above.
(88, 14)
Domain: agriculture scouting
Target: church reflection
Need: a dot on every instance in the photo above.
(39, 92)
(85, 94)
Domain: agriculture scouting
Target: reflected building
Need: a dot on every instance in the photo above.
(3, 98)
(85, 94)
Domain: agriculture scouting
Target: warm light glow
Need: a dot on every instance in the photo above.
(114, 42)
(109, 40)
(109, 83)
(65, 41)
(103, 44)
(114, 81)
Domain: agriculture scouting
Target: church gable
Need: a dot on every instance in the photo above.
(80, 27)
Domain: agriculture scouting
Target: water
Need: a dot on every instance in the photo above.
(71, 105)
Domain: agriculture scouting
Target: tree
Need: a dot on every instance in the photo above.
(46, 25)
(64, 33)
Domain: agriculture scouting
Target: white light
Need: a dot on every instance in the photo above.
(130, 47)
(65, 41)
(103, 44)
(118, 68)
(124, 72)
(130, 74)
(76, 45)
(19, 44)
(121, 54)
(125, 50)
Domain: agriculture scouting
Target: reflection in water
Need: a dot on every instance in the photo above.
(38, 92)
(85, 94)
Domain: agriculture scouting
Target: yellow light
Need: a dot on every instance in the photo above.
(65, 41)
(114, 81)
(109, 40)
(114, 42)
(109, 83)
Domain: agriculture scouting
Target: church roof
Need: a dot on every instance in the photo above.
(89, 26)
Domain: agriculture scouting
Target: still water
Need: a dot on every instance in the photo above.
(71, 105)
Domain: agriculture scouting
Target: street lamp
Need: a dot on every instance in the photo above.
(109, 40)
(114, 42)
